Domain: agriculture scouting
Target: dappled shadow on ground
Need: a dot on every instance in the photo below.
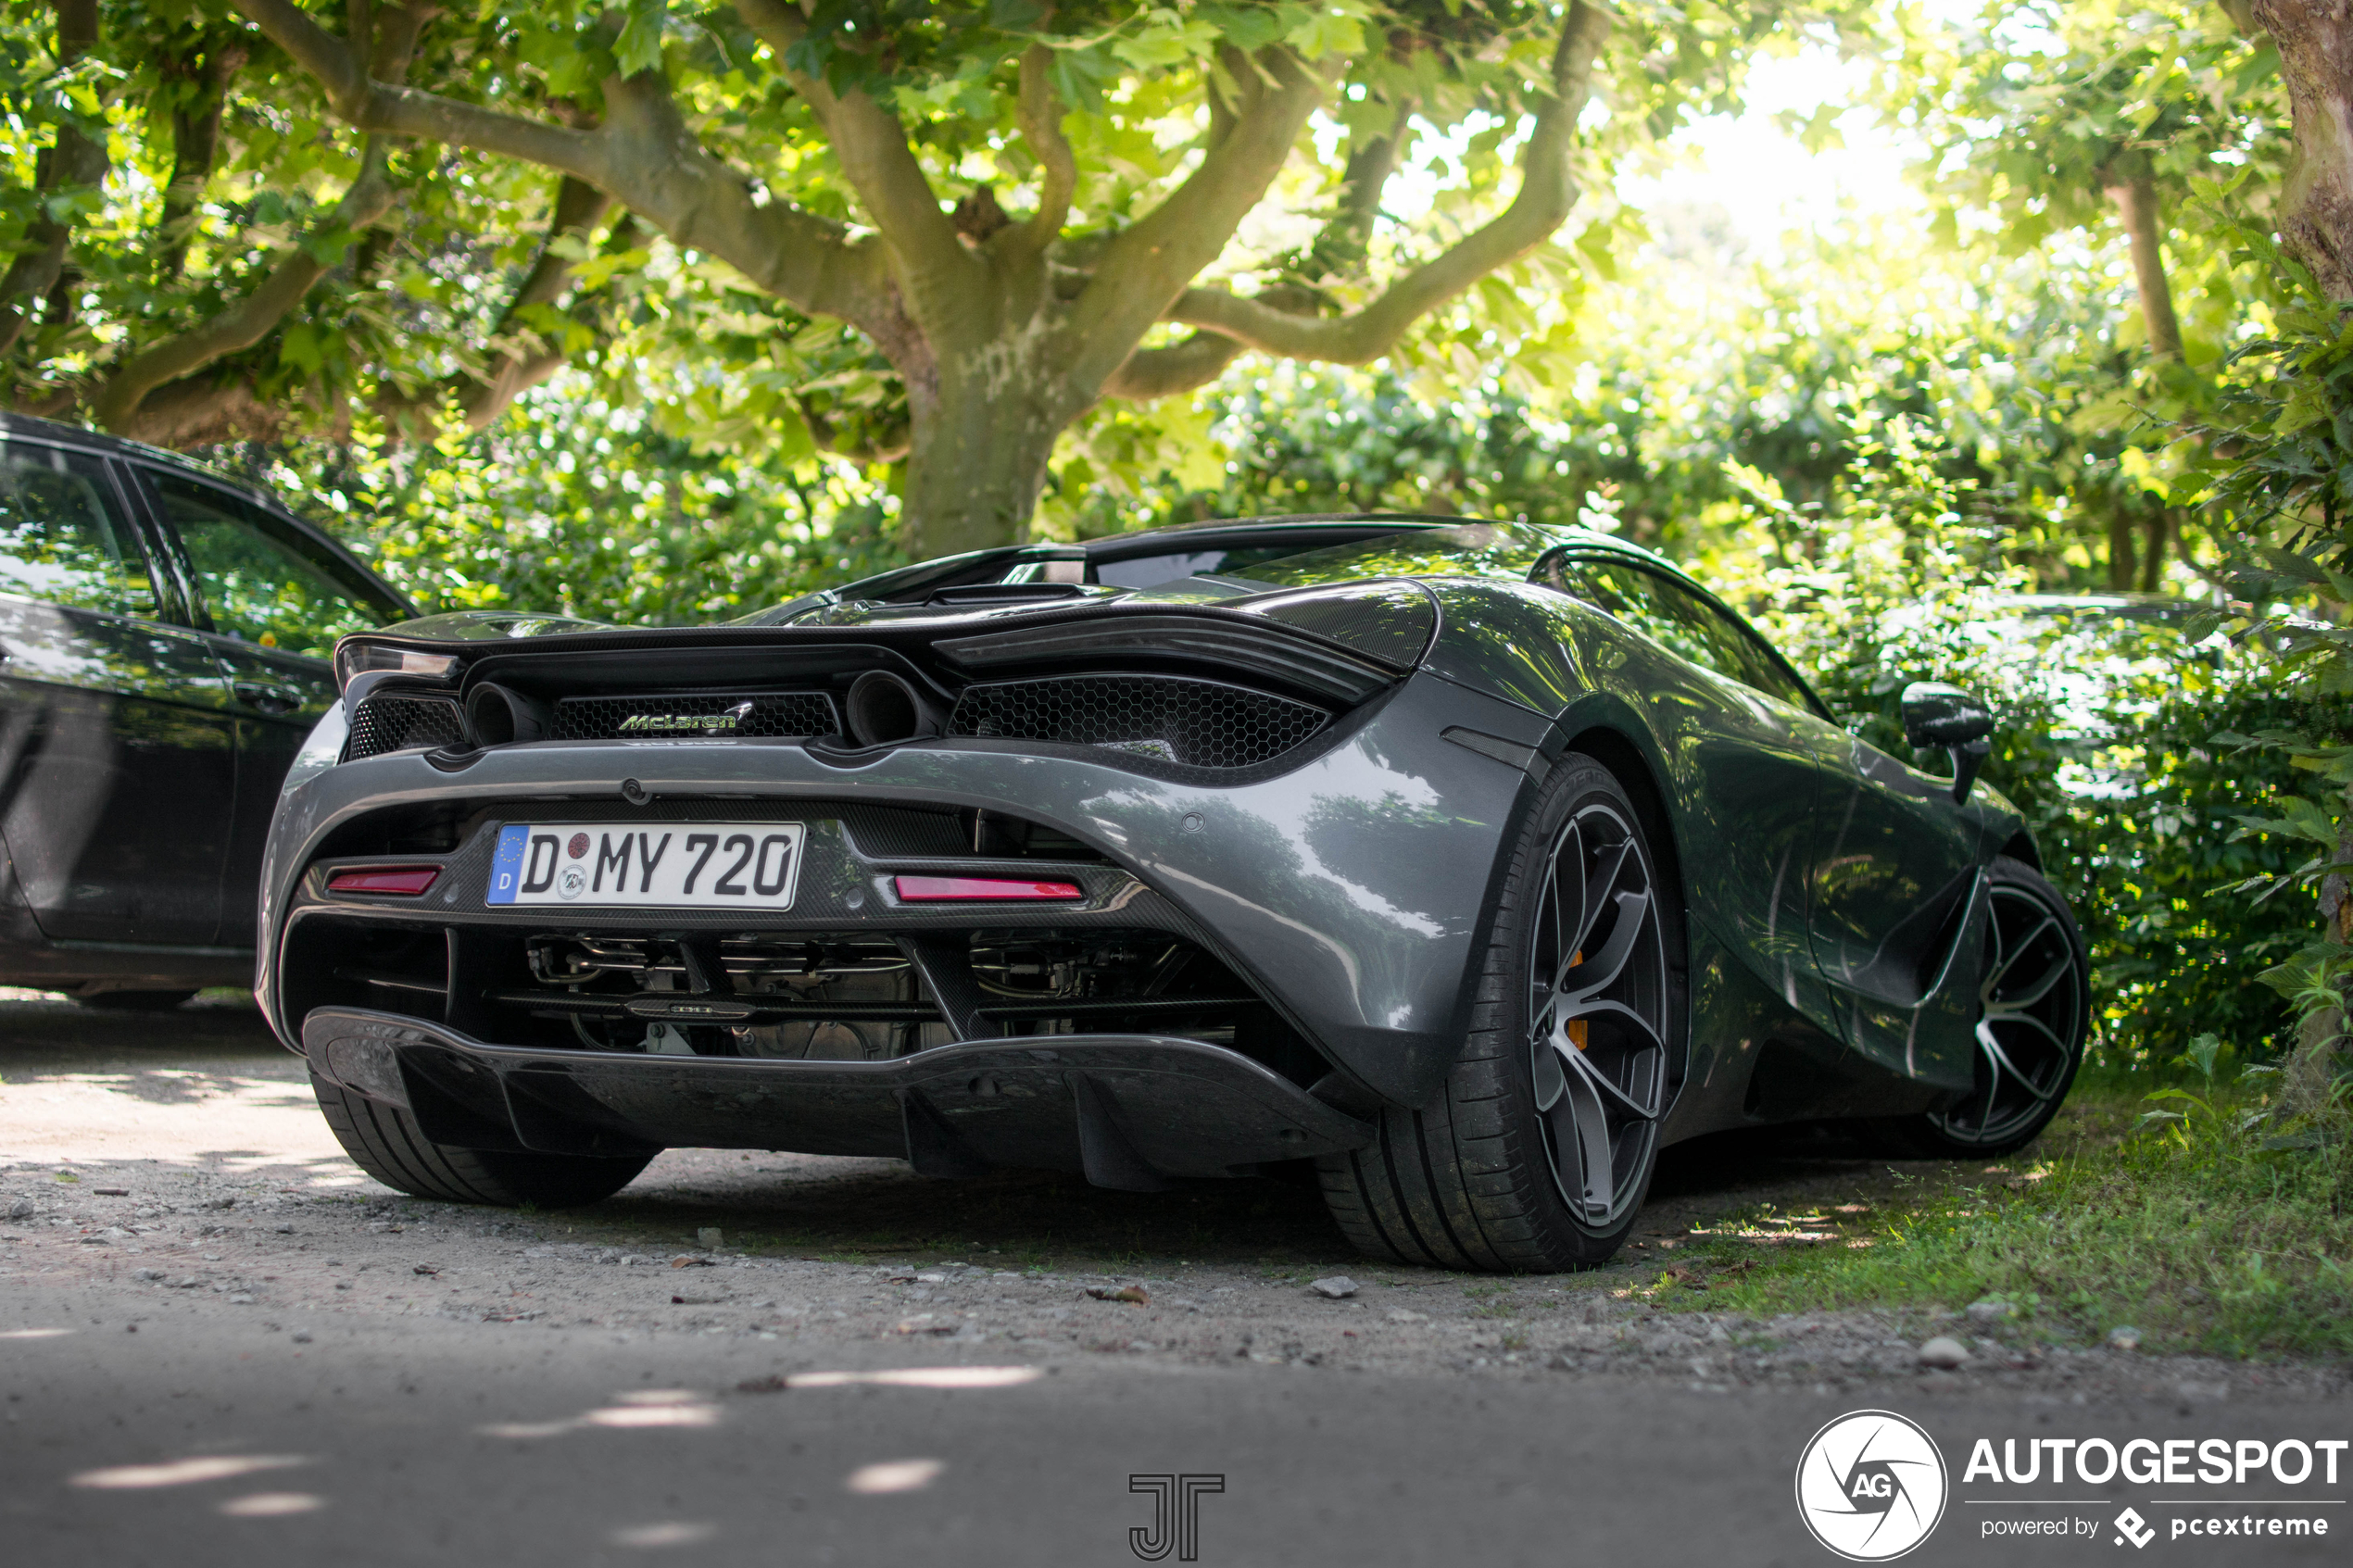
(189, 1054)
(879, 1207)
(793, 1204)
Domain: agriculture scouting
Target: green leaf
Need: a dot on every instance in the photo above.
(1247, 28)
(1079, 76)
(2202, 1052)
(1327, 29)
(639, 46)
(1166, 43)
(2290, 564)
(299, 346)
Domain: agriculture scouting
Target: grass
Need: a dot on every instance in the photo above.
(2202, 1232)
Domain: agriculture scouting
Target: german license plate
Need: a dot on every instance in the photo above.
(669, 865)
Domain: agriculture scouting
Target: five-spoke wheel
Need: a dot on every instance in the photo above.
(2033, 1013)
(1536, 1154)
(1597, 1010)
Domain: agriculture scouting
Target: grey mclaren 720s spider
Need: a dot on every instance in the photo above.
(1471, 861)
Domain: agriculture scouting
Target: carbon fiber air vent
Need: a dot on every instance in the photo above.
(1200, 724)
(389, 722)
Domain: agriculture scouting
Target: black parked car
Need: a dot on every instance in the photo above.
(165, 638)
(1474, 861)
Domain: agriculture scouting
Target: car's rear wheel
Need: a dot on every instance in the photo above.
(1537, 1154)
(2035, 1012)
(386, 1143)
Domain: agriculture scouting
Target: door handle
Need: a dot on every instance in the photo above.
(267, 699)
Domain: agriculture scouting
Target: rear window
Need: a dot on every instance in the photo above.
(1150, 572)
(1508, 550)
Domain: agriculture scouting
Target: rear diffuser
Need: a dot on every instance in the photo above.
(1127, 1111)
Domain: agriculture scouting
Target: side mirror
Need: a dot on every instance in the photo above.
(1949, 720)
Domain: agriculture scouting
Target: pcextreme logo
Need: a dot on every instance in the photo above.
(1872, 1486)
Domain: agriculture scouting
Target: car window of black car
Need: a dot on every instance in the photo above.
(259, 583)
(63, 536)
(1669, 613)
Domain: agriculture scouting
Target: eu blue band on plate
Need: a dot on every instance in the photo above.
(506, 870)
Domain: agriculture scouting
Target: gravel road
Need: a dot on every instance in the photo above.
(169, 1179)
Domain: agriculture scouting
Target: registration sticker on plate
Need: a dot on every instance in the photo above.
(673, 865)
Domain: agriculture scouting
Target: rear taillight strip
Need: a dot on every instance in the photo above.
(950, 889)
(406, 881)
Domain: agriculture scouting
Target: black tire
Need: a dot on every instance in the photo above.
(1494, 1173)
(134, 1001)
(386, 1143)
(2031, 1032)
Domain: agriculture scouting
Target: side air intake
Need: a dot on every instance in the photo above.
(1197, 723)
(388, 722)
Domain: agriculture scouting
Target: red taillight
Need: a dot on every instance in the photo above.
(936, 889)
(409, 880)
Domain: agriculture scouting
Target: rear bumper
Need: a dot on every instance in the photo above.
(1350, 892)
(1128, 1110)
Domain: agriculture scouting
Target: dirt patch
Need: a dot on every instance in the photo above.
(198, 1180)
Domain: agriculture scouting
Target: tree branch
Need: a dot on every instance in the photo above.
(1340, 249)
(938, 275)
(1148, 373)
(1150, 263)
(518, 372)
(482, 395)
(195, 138)
(201, 411)
(251, 319)
(891, 445)
(580, 207)
(381, 107)
(1040, 115)
(643, 157)
(72, 159)
(2135, 194)
(1547, 193)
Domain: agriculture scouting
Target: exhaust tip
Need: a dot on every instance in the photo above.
(500, 717)
(883, 709)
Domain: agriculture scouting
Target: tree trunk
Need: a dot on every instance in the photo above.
(2315, 212)
(72, 159)
(2120, 551)
(2135, 199)
(2315, 220)
(2152, 563)
(977, 462)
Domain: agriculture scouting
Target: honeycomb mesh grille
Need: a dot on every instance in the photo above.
(398, 723)
(694, 713)
(1200, 724)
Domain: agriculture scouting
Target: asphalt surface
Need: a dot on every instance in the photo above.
(219, 1343)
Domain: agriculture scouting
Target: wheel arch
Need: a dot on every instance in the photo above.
(1626, 758)
(2021, 847)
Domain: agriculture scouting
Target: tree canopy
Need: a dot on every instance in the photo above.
(928, 235)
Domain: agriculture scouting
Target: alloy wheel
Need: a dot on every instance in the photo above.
(1597, 1009)
(2029, 1024)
